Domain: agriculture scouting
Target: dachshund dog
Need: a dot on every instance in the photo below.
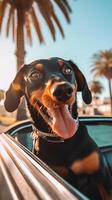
(50, 87)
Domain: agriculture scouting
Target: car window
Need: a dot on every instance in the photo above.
(101, 134)
(25, 138)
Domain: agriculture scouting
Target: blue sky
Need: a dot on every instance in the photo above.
(90, 31)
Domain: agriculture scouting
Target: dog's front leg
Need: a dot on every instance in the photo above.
(88, 165)
(91, 166)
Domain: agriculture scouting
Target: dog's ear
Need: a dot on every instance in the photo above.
(82, 84)
(15, 91)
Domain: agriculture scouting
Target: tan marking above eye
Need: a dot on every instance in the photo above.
(39, 66)
(60, 62)
(88, 165)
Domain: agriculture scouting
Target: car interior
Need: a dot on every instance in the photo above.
(100, 130)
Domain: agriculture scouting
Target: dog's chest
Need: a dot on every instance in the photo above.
(59, 153)
(53, 153)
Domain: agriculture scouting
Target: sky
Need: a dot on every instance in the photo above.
(90, 31)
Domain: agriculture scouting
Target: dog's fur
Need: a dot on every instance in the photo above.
(50, 87)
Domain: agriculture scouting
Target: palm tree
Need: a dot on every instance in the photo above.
(96, 87)
(24, 13)
(102, 66)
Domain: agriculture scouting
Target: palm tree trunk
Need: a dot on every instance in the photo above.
(110, 92)
(20, 48)
(20, 54)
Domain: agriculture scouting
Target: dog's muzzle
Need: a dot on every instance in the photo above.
(58, 96)
(62, 91)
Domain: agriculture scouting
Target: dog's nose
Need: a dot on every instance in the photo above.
(63, 92)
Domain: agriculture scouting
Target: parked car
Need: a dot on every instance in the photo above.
(25, 176)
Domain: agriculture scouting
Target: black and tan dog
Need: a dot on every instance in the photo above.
(62, 141)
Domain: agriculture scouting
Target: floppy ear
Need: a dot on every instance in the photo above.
(15, 92)
(82, 84)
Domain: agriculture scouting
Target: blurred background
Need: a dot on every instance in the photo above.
(78, 30)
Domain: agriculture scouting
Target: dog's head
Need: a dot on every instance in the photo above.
(49, 85)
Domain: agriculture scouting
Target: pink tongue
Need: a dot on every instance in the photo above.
(63, 124)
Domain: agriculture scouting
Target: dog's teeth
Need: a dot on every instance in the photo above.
(44, 113)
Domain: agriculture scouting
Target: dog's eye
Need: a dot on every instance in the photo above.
(67, 71)
(36, 75)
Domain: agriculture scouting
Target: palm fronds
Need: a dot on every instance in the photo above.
(31, 15)
(36, 25)
(96, 87)
(64, 8)
(102, 64)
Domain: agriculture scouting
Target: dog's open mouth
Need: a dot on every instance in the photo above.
(59, 119)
